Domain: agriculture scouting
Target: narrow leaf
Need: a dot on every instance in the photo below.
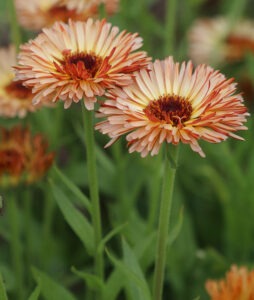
(130, 260)
(3, 295)
(130, 275)
(113, 286)
(74, 218)
(72, 187)
(35, 294)
(49, 288)
(109, 236)
(92, 281)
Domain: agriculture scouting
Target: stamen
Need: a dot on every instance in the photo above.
(170, 109)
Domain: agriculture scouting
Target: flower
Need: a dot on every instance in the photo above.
(215, 40)
(238, 285)
(173, 103)
(92, 6)
(15, 99)
(79, 60)
(42, 13)
(23, 157)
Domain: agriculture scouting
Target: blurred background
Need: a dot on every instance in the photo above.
(212, 219)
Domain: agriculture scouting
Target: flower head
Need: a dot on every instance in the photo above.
(91, 7)
(79, 60)
(173, 103)
(15, 99)
(238, 285)
(23, 157)
(43, 13)
(214, 41)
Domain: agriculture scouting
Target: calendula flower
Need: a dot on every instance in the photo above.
(91, 7)
(173, 103)
(217, 40)
(79, 60)
(15, 99)
(23, 157)
(43, 13)
(238, 285)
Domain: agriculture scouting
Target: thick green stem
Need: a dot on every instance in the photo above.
(165, 210)
(93, 187)
(15, 248)
(15, 29)
(171, 7)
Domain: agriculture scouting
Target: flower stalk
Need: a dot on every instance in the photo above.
(93, 187)
(165, 212)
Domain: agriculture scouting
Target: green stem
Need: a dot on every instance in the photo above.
(171, 7)
(154, 190)
(15, 29)
(165, 210)
(15, 248)
(93, 187)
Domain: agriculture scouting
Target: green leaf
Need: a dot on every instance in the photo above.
(113, 285)
(131, 273)
(92, 281)
(74, 218)
(138, 291)
(3, 295)
(72, 187)
(35, 294)
(110, 235)
(49, 288)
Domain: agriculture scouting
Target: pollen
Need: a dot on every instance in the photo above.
(170, 109)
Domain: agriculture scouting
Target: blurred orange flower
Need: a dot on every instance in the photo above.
(173, 103)
(23, 157)
(238, 285)
(92, 6)
(216, 40)
(43, 13)
(15, 99)
(79, 60)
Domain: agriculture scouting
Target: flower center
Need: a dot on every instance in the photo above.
(238, 46)
(16, 90)
(169, 109)
(11, 161)
(62, 13)
(79, 65)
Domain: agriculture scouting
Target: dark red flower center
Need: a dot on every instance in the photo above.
(16, 90)
(79, 65)
(169, 109)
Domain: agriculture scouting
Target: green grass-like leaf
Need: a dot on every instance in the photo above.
(49, 288)
(35, 294)
(77, 221)
(92, 281)
(72, 187)
(3, 295)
